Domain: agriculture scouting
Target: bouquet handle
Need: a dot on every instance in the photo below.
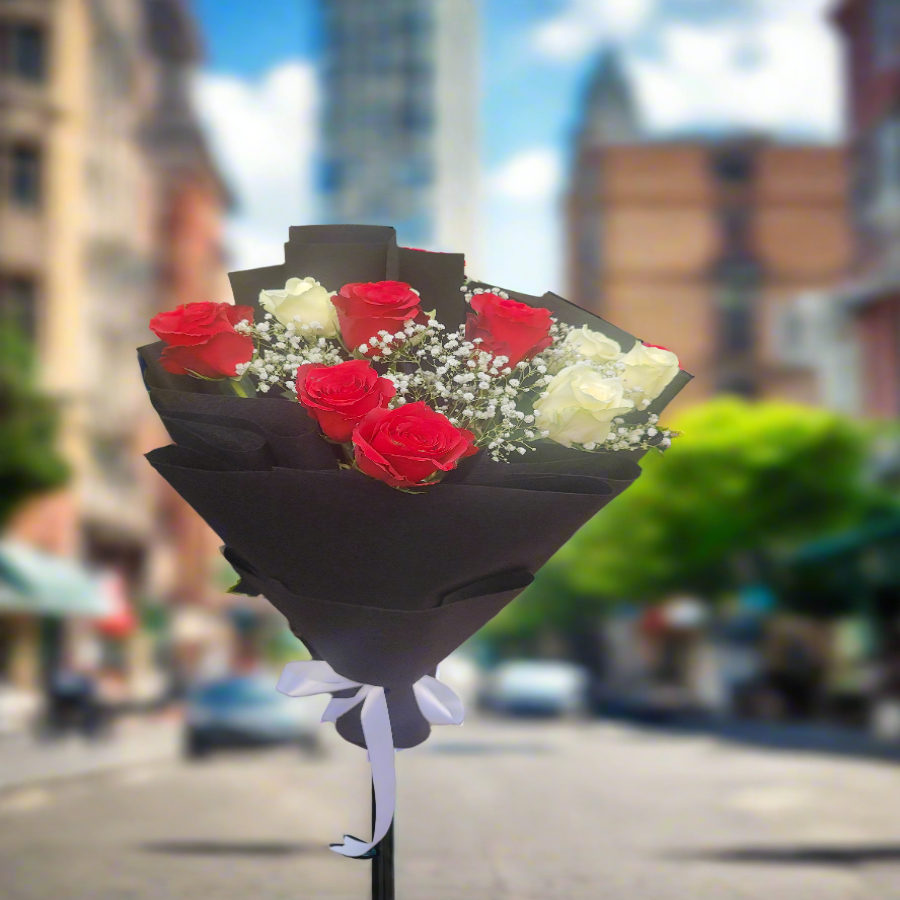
(383, 863)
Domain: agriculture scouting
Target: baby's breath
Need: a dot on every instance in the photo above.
(281, 349)
(474, 388)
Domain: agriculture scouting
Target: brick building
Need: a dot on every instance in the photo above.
(110, 210)
(870, 306)
(700, 243)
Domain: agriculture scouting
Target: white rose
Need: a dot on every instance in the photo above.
(303, 302)
(648, 369)
(580, 404)
(593, 344)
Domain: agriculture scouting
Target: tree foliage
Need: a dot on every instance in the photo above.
(744, 477)
(29, 462)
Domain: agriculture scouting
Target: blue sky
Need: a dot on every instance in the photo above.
(697, 65)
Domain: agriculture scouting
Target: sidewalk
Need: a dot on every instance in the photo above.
(135, 740)
(809, 737)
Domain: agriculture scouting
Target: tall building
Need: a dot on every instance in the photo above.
(701, 243)
(400, 118)
(866, 310)
(191, 199)
(109, 212)
(849, 333)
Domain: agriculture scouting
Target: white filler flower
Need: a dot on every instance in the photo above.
(579, 405)
(302, 302)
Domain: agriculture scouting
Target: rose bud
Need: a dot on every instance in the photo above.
(593, 344)
(364, 309)
(302, 302)
(338, 397)
(508, 328)
(202, 339)
(649, 369)
(408, 445)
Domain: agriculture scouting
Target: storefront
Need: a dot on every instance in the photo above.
(850, 585)
(46, 602)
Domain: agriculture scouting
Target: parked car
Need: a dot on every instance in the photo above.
(246, 711)
(537, 688)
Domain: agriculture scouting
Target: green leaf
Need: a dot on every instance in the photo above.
(29, 421)
(197, 375)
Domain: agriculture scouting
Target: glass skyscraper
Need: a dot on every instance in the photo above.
(399, 118)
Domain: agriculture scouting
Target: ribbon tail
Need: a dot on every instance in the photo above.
(376, 725)
(354, 848)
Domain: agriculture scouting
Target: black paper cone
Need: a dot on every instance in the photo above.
(389, 647)
(381, 584)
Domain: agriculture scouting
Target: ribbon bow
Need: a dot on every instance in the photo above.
(435, 700)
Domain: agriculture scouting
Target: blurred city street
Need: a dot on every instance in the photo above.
(716, 656)
(496, 809)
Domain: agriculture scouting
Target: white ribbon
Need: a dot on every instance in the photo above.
(435, 700)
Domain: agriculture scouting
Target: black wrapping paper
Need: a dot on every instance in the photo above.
(382, 584)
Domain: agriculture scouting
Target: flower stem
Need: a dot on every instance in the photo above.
(237, 387)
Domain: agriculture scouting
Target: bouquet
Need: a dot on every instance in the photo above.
(389, 452)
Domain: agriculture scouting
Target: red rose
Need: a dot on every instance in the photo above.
(337, 397)
(508, 328)
(366, 309)
(202, 339)
(404, 446)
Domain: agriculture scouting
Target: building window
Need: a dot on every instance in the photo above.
(887, 148)
(414, 115)
(331, 175)
(733, 166)
(736, 328)
(885, 25)
(738, 285)
(415, 172)
(18, 301)
(24, 186)
(23, 51)
(887, 164)
(734, 226)
(876, 188)
(739, 385)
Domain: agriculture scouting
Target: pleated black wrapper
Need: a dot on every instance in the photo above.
(381, 584)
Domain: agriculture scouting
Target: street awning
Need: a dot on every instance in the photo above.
(850, 542)
(32, 581)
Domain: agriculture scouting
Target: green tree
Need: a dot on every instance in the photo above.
(29, 462)
(743, 480)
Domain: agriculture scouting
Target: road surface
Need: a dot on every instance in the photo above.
(489, 811)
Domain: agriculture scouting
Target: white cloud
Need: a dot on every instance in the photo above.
(522, 247)
(782, 76)
(772, 65)
(263, 133)
(532, 176)
(584, 23)
(796, 8)
(522, 242)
